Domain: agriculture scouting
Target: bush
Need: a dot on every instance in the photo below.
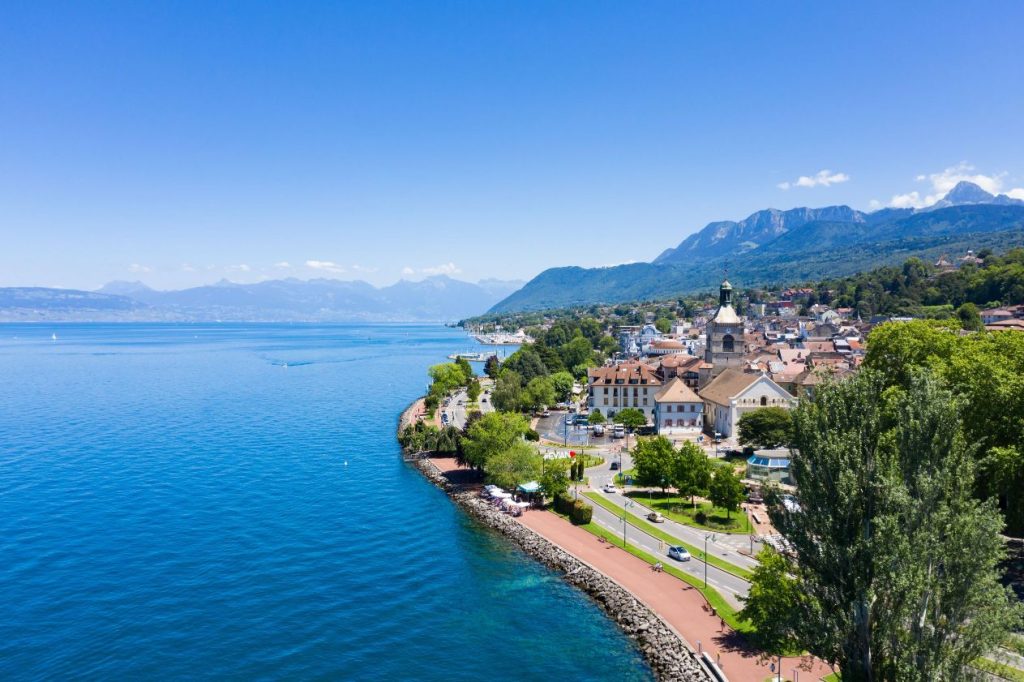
(701, 517)
(563, 504)
(532, 435)
(581, 514)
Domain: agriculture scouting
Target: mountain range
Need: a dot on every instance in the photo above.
(433, 299)
(773, 246)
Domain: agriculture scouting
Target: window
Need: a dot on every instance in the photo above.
(606, 401)
(668, 422)
(764, 400)
(645, 401)
(728, 343)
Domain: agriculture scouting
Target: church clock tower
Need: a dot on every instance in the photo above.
(724, 336)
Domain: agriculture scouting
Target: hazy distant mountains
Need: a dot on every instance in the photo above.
(437, 298)
(773, 246)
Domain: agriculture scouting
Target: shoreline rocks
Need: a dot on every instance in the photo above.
(668, 656)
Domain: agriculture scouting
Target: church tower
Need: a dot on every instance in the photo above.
(724, 336)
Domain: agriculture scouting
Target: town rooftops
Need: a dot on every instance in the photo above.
(681, 361)
(676, 391)
(625, 373)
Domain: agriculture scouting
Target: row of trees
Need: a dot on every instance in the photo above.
(893, 569)
(448, 376)
(657, 463)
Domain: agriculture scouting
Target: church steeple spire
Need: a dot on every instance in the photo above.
(725, 294)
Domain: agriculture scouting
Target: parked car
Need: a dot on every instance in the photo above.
(598, 430)
(678, 553)
(609, 488)
(614, 466)
(619, 431)
(655, 517)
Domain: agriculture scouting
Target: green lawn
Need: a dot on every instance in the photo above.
(656, 532)
(999, 669)
(679, 509)
(620, 478)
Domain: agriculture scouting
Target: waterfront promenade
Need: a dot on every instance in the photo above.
(674, 601)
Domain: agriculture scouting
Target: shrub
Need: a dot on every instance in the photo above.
(581, 514)
(563, 504)
(701, 517)
(532, 435)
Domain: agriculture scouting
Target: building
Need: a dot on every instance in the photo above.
(628, 384)
(734, 393)
(677, 409)
(724, 336)
(769, 466)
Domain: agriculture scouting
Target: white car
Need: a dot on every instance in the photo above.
(609, 488)
(678, 553)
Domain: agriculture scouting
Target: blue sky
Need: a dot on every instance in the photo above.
(179, 143)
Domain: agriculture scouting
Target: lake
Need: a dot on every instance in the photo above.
(228, 501)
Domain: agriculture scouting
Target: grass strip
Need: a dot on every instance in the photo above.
(716, 600)
(999, 669)
(653, 531)
(664, 504)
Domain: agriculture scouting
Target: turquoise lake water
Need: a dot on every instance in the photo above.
(228, 502)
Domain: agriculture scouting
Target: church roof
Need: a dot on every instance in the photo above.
(726, 315)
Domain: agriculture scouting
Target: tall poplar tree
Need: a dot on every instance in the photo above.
(896, 561)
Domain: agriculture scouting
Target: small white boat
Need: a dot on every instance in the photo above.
(53, 337)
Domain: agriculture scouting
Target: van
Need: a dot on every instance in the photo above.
(598, 430)
(619, 431)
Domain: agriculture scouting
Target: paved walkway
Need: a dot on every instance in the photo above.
(680, 605)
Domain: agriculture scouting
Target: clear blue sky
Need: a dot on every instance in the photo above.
(178, 143)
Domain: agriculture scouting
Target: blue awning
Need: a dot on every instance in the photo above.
(531, 487)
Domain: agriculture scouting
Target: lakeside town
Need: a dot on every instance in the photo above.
(681, 447)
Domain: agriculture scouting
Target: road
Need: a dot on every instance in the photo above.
(724, 545)
(726, 583)
(456, 409)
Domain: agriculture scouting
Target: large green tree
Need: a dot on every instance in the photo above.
(692, 472)
(518, 463)
(775, 595)
(491, 434)
(766, 427)
(539, 392)
(447, 376)
(725, 489)
(562, 382)
(508, 394)
(896, 560)
(654, 461)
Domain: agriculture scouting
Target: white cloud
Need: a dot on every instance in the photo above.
(135, 267)
(875, 204)
(283, 265)
(186, 267)
(443, 269)
(241, 267)
(408, 271)
(325, 265)
(941, 183)
(823, 178)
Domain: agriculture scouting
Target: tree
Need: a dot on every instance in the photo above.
(726, 490)
(493, 433)
(577, 352)
(631, 418)
(467, 369)
(447, 440)
(525, 362)
(518, 463)
(692, 473)
(663, 325)
(897, 563)
(969, 317)
(655, 462)
(508, 394)
(555, 478)
(766, 427)
(492, 367)
(539, 392)
(446, 376)
(774, 596)
(473, 391)
(595, 417)
(562, 382)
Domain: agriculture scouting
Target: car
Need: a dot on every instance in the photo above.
(609, 488)
(655, 517)
(546, 413)
(619, 431)
(598, 430)
(614, 466)
(678, 553)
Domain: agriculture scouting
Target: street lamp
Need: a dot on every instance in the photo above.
(624, 524)
(709, 535)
